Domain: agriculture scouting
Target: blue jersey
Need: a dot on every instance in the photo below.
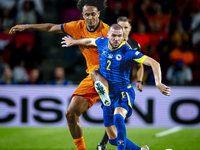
(115, 64)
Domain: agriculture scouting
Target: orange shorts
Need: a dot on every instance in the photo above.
(87, 90)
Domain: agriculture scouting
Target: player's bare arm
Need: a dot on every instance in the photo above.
(157, 75)
(140, 73)
(69, 41)
(47, 27)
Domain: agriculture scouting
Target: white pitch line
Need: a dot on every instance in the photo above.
(169, 131)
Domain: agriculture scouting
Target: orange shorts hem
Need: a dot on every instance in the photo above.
(86, 89)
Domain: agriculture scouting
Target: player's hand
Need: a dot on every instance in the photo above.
(17, 28)
(139, 86)
(164, 89)
(67, 41)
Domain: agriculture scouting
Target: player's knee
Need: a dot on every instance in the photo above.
(113, 141)
(118, 120)
(95, 72)
(67, 114)
(70, 116)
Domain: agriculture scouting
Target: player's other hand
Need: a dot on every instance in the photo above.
(67, 41)
(139, 86)
(164, 89)
(17, 28)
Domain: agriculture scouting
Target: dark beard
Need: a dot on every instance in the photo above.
(113, 46)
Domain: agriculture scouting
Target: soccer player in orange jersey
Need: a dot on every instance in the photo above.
(91, 27)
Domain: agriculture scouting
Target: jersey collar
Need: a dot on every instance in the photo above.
(123, 42)
(95, 28)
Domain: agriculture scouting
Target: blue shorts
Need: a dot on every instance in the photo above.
(122, 98)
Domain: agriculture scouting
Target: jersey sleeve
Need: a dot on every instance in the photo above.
(69, 28)
(96, 42)
(136, 56)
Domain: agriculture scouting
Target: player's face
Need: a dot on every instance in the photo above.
(115, 37)
(126, 27)
(91, 16)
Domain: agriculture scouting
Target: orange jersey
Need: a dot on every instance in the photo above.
(78, 30)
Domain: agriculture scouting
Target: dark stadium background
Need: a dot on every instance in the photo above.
(167, 30)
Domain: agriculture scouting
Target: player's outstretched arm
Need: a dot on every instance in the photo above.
(157, 75)
(47, 27)
(140, 73)
(69, 41)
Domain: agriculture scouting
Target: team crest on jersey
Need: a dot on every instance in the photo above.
(110, 56)
(118, 57)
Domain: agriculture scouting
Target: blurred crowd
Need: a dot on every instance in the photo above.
(167, 30)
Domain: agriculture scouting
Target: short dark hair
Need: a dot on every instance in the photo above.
(116, 27)
(124, 19)
(99, 4)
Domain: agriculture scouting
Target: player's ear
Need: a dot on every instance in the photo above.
(83, 15)
(98, 13)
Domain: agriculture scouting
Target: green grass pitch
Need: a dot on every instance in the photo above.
(60, 139)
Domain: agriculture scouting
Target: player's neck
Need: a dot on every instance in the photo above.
(93, 28)
(109, 46)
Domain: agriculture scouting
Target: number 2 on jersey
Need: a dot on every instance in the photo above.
(109, 63)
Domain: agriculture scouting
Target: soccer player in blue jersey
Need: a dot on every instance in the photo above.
(116, 60)
(125, 23)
